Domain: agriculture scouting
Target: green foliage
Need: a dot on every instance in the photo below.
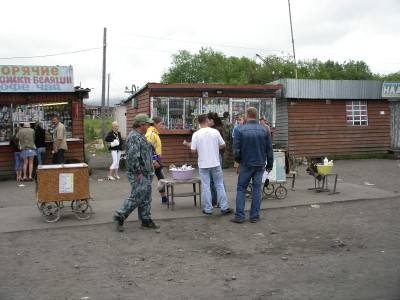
(209, 66)
(391, 77)
(103, 150)
(92, 128)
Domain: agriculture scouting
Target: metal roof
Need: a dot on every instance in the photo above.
(208, 87)
(330, 89)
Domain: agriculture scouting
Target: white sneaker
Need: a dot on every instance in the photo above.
(111, 178)
(117, 177)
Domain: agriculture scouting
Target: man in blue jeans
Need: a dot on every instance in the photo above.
(206, 142)
(252, 147)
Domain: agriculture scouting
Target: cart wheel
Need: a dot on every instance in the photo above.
(82, 210)
(74, 204)
(249, 190)
(268, 190)
(40, 206)
(280, 192)
(50, 212)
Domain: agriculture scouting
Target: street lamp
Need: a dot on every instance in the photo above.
(132, 90)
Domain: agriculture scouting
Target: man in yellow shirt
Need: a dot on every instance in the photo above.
(153, 137)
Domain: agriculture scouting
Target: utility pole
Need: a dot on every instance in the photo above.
(108, 95)
(103, 86)
(291, 30)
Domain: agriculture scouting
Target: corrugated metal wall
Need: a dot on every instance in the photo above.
(281, 126)
(331, 89)
(395, 123)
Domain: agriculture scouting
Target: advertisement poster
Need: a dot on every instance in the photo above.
(66, 183)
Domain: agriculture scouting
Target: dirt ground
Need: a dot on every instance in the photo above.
(341, 251)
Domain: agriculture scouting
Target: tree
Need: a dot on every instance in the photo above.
(391, 77)
(357, 70)
(182, 69)
(209, 66)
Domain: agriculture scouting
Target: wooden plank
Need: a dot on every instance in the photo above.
(317, 129)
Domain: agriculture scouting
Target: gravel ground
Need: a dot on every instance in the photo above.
(332, 251)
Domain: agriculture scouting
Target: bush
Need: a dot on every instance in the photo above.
(92, 128)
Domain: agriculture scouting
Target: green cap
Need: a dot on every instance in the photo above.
(143, 118)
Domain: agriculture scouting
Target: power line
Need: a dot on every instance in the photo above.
(116, 84)
(202, 43)
(235, 47)
(143, 49)
(48, 55)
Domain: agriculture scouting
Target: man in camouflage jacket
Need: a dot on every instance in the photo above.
(139, 171)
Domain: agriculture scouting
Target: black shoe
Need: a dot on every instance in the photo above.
(207, 213)
(255, 220)
(226, 211)
(149, 224)
(236, 220)
(119, 224)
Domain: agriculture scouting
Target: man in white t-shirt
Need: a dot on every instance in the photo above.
(206, 142)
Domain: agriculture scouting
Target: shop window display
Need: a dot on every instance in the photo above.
(177, 113)
(182, 112)
(215, 104)
(265, 107)
(43, 113)
(5, 123)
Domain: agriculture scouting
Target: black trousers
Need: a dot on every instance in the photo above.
(58, 158)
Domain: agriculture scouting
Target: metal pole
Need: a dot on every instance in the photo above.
(108, 95)
(291, 30)
(103, 86)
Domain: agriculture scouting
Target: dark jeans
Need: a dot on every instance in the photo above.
(247, 174)
(40, 154)
(214, 198)
(58, 158)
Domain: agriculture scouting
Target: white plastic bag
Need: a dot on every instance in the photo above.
(114, 143)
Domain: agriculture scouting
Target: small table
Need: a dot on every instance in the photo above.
(324, 187)
(170, 184)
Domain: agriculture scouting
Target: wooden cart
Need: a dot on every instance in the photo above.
(59, 183)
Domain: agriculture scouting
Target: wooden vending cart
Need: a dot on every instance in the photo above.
(59, 183)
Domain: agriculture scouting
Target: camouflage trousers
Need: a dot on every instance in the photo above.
(139, 198)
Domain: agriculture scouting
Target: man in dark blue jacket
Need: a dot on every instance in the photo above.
(252, 147)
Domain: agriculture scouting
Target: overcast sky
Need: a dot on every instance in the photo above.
(142, 35)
